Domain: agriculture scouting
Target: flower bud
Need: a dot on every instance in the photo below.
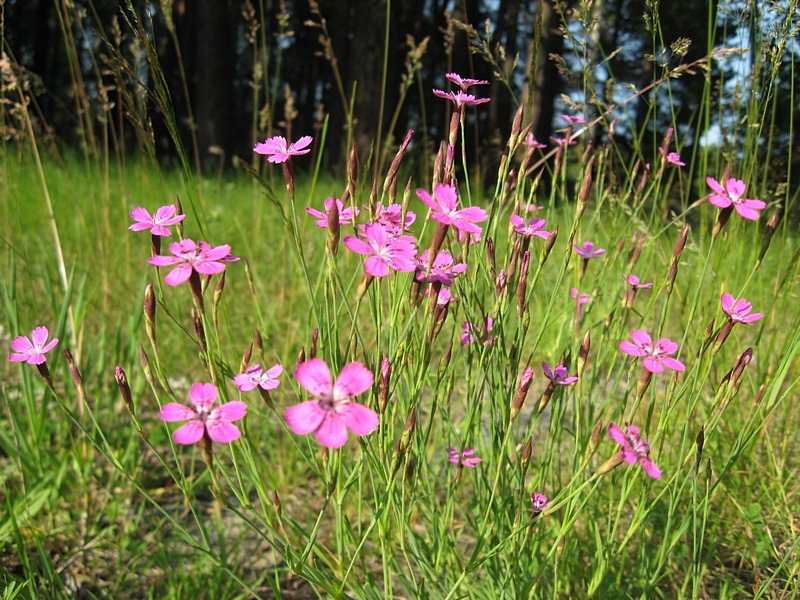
(332, 243)
(583, 352)
(383, 385)
(312, 351)
(124, 389)
(150, 313)
(75, 373)
(179, 211)
(246, 358)
(522, 392)
(301, 357)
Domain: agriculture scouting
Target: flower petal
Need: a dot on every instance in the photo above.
(230, 411)
(617, 434)
(178, 275)
(189, 433)
(631, 349)
(305, 417)
(176, 412)
(332, 432)
(653, 364)
(353, 379)
(314, 376)
(650, 467)
(360, 419)
(203, 395)
(222, 432)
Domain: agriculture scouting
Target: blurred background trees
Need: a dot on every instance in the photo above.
(236, 71)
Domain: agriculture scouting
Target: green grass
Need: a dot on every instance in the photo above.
(98, 501)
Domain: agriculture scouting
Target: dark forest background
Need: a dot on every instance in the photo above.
(237, 71)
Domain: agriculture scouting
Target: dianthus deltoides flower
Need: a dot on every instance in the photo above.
(729, 193)
(443, 205)
(278, 150)
(466, 458)
(656, 355)
(634, 449)
(188, 256)
(385, 251)
(202, 418)
(332, 412)
(156, 223)
(32, 350)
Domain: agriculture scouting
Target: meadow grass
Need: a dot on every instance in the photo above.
(100, 501)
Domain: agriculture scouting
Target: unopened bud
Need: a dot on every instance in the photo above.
(312, 351)
(491, 258)
(150, 313)
(586, 188)
(522, 285)
(583, 352)
(332, 243)
(525, 460)
(124, 389)
(258, 341)
(75, 373)
(738, 369)
(246, 358)
(276, 503)
(722, 336)
(179, 211)
(699, 441)
(644, 382)
(549, 243)
(352, 173)
(301, 357)
(391, 174)
(759, 394)
(444, 362)
(249, 274)
(611, 464)
(769, 230)
(199, 330)
(522, 392)
(383, 384)
(145, 362)
(220, 287)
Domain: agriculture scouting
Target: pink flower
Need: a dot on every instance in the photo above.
(531, 142)
(465, 458)
(275, 147)
(256, 376)
(442, 270)
(738, 310)
(539, 503)
(157, 224)
(32, 350)
(460, 98)
(672, 158)
(633, 281)
(469, 331)
(634, 448)
(202, 419)
(345, 214)
(534, 227)
(562, 141)
(656, 356)
(587, 250)
(393, 219)
(558, 375)
(573, 120)
(188, 256)
(731, 194)
(464, 82)
(580, 299)
(443, 209)
(332, 413)
(386, 251)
